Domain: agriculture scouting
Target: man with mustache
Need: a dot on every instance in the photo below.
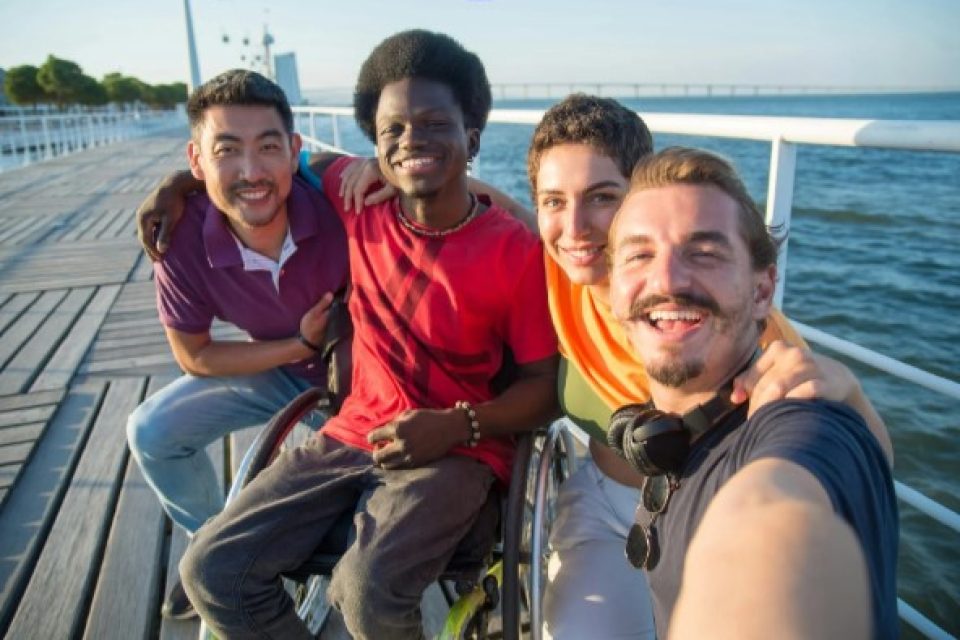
(258, 249)
(777, 523)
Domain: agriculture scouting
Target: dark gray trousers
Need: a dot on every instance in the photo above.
(408, 527)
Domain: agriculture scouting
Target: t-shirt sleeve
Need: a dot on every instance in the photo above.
(180, 304)
(831, 441)
(331, 184)
(529, 330)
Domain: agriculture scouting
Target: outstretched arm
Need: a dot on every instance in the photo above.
(771, 559)
(785, 371)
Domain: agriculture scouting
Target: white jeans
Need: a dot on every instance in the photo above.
(592, 591)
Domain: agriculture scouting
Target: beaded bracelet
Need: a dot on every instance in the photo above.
(474, 438)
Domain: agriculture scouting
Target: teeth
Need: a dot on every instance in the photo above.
(583, 253)
(685, 315)
(414, 163)
(253, 195)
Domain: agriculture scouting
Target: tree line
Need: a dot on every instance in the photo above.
(62, 82)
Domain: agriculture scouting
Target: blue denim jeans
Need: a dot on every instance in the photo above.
(170, 430)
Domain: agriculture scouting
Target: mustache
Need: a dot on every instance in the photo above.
(243, 184)
(641, 307)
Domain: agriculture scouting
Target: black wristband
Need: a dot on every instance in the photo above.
(313, 347)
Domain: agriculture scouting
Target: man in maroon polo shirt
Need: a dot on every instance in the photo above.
(260, 250)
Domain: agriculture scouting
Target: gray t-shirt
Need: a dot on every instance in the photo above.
(828, 439)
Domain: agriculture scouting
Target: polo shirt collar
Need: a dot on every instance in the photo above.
(220, 243)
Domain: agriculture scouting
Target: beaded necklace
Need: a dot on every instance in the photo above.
(436, 233)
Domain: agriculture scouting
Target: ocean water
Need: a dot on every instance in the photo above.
(874, 257)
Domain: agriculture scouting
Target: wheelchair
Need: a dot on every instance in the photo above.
(509, 578)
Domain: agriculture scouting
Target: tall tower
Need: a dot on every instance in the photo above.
(192, 49)
(267, 41)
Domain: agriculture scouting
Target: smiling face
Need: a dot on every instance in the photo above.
(683, 286)
(247, 160)
(578, 192)
(422, 143)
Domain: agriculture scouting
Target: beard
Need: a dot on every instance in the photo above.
(675, 372)
(669, 367)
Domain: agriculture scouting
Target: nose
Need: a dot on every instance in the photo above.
(668, 273)
(412, 137)
(251, 167)
(578, 219)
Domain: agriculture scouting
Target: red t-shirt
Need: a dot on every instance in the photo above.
(431, 316)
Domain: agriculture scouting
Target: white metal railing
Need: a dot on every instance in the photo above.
(784, 134)
(25, 139)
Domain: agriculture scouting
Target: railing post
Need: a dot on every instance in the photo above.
(336, 131)
(48, 147)
(24, 140)
(783, 166)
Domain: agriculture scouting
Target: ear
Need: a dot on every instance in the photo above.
(193, 157)
(296, 143)
(473, 143)
(764, 284)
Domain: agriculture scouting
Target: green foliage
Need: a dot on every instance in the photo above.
(166, 96)
(61, 79)
(123, 89)
(91, 93)
(21, 85)
(63, 82)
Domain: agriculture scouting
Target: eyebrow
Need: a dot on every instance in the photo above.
(229, 137)
(715, 237)
(593, 187)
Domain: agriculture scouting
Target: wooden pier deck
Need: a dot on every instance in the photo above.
(85, 550)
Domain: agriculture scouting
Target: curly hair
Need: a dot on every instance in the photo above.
(238, 87)
(600, 123)
(422, 54)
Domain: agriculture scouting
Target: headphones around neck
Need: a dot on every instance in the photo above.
(655, 442)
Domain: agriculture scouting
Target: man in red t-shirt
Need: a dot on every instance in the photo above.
(442, 284)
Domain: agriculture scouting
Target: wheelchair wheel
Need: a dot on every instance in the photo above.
(543, 462)
(285, 431)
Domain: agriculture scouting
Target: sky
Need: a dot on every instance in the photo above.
(849, 43)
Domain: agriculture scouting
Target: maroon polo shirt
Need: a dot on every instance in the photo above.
(201, 276)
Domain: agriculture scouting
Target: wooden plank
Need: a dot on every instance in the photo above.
(64, 362)
(21, 370)
(185, 629)
(39, 399)
(143, 270)
(122, 224)
(22, 433)
(152, 362)
(27, 324)
(53, 604)
(15, 453)
(127, 595)
(31, 506)
(14, 307)
(26, 415)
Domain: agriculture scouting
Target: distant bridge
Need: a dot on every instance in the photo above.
(680, 89)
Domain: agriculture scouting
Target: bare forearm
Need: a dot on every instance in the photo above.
(771, 559)
(529, 402)
(227, 358)
(786, 571)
